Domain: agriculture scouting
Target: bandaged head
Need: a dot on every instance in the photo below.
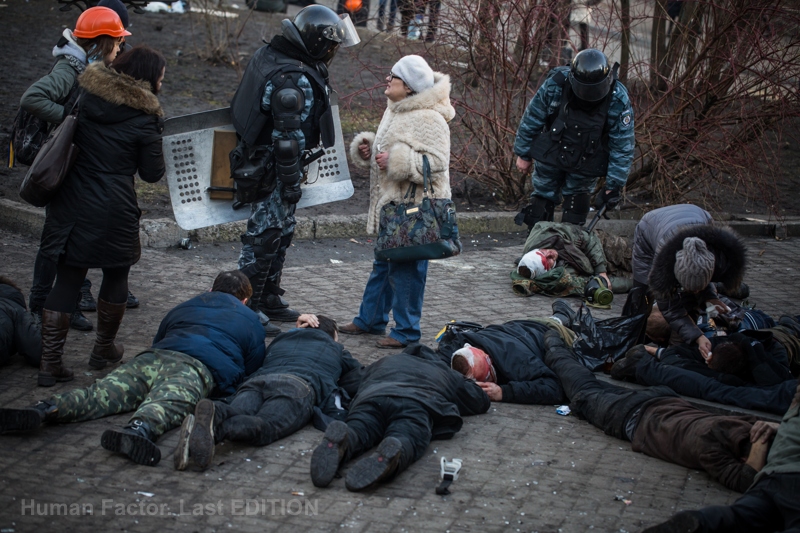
(537, 262)
(473, 363)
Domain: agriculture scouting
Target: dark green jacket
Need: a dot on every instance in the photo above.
(41, 99)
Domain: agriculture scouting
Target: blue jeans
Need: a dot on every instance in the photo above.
(396, 287)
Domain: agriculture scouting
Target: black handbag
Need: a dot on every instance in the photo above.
(411, 232)
(52, 164)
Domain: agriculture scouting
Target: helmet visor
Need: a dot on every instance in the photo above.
(347, 31)
(591, 92)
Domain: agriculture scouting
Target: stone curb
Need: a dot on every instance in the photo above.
(165, 232)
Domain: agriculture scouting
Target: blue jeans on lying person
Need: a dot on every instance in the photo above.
(395, 287)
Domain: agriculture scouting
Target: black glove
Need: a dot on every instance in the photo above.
(610, 197)
(292, 193)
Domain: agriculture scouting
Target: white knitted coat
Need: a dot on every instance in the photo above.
(414, 126)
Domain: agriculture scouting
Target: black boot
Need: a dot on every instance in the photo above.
(380, 466)
(132, 302)
(27, 419)
(79, 322)
(277, 309)
(87, 302)
(329, 454)
(257, 282)
(564, 313)
(201, 438)
(135, 440)
(625, 368)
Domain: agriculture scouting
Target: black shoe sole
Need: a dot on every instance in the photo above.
(376, 467)
(81, 327)
(181, 455)
(19, 420)
(326, 457)
(48, 380)
(201, 439)
(99, 362)
(139, 449)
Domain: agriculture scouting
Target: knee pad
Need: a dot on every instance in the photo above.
(265, 249)
(538, 210)
(576, 207)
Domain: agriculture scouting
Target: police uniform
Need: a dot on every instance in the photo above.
(290, 114)
(574, 145)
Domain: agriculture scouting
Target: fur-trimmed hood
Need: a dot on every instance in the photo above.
(729, 258)
(436, 98)
(119, 89)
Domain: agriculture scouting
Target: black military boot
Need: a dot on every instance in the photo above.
(257, 283)
(380, 466)
(625, 368)
(80, 322)
(27, 419)
(564, 313)
(87, 302)
(277, 309)
(132, 302)
(329, 454)
(135, 440)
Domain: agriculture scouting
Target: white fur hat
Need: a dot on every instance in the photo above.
(415, 72)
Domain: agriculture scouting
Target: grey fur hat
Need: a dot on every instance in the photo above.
(694, 265)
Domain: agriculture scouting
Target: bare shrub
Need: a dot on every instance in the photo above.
(220, 31)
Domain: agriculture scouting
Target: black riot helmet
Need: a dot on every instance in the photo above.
(319, 31)
(590, 75)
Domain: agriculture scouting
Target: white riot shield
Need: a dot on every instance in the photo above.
(196, 147)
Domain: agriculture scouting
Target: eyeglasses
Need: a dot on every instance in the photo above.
(395, 77)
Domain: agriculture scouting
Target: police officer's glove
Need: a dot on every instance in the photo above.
(292, 193)
(609, 197)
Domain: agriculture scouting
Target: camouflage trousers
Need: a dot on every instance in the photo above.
(273, 212)
(162, 386)
(561, 282)
(550, 183)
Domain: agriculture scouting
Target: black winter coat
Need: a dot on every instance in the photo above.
(18, 332)
(516, 349)
(418, 374)
(94, 218)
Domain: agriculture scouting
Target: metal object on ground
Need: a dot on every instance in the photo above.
(189, 156)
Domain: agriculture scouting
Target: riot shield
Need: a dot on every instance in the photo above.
(196, 149)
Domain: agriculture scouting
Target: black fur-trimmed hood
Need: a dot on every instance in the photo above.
(729, 258)
(119, 89)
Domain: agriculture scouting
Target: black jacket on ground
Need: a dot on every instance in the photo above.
(516, 349)
(774, 399)
(311, 354)
(18, 332)
(94, 218)
(762, 367)
(418, 374)
(680, 308)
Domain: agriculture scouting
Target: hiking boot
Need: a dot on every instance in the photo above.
(270, 330)
(27, 419)
(684, 522)
(87, 302)
(132, 302)
(388, 343)
(180, 456)
(134, 440)
(352, 329)
(80, 322)
(105, 351)
(277, 309)
(55, 327)
(329, 454)
(201, 438)
(379, 466)
(564, 313)
(625, 368)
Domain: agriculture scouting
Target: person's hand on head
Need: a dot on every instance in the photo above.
(492, 390)
(307, 321)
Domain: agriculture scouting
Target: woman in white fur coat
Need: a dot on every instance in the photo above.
(414, 124)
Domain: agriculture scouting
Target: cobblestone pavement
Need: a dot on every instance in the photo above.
(525, 467)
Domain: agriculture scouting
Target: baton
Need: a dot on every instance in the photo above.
(596, 218)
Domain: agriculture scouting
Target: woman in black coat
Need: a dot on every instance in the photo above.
(94, 220)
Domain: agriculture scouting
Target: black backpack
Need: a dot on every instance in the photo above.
(29, 133)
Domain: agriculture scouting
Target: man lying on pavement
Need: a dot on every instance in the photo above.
(304, 370)
(659, 424)
(203, 347)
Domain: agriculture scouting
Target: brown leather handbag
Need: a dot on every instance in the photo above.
(52, 164)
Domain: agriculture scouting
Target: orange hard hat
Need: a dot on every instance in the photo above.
(353, 5)
(97, 21)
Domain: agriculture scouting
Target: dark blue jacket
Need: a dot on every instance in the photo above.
(311, 354)
(219, 331)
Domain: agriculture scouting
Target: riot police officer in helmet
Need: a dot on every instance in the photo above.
(282, 112)
(577, 128)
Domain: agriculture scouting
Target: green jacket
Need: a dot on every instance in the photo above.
(45, 98)
(576, 247)
(784, 455)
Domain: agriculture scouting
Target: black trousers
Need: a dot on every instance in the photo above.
(374, 419)
(264, 409)
(605, 406)
(772, 504)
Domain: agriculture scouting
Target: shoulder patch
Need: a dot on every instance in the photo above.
(626, 118)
